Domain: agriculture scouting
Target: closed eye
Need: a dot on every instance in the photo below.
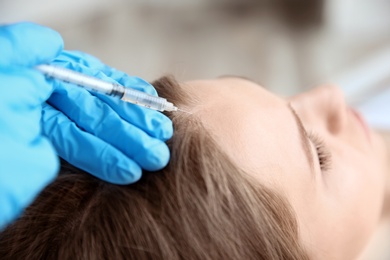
(323, 153)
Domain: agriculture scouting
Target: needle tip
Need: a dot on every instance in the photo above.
(181, 110)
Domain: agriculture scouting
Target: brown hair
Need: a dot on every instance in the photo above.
(201, 206)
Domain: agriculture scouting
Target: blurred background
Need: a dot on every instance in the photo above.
(285, 45)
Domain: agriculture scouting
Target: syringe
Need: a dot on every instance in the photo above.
(108, 88)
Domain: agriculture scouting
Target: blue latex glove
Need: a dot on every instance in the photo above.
(27, 160)
(104, 136)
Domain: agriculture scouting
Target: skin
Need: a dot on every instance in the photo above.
(337, 208)
(386, 209)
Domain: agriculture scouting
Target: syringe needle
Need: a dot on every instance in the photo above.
(181, 110)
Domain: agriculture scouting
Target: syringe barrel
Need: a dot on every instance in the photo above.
(112, 89)
(146, 100)
(77, 78)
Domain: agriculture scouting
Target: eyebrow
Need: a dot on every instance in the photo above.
(304, 138)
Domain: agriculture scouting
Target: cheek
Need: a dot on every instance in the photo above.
(355, 195)
(358, 179)
(340, 217)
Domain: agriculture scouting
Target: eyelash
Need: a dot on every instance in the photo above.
(323, 154)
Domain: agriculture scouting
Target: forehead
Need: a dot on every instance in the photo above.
(251, 124)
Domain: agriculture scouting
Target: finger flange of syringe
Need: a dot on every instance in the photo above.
(108, 88)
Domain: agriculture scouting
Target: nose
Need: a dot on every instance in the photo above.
(322, 106)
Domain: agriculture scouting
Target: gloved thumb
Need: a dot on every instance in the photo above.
(28, 44)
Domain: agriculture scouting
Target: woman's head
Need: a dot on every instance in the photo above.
(311, 148)
(201, 206)
(244, 182)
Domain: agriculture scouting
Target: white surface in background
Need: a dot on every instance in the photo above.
(366, 87)
(53, 12)
(359, 82)
(377, 110)
(349, 18)
(70, 11)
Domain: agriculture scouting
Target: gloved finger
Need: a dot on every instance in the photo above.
(108, 73)
(84, 59)
(28, 44)
(152, 122)
(86, 151)
(22, 182)
(89, 65)
(99, 119)
(23, 88)
(22, 105)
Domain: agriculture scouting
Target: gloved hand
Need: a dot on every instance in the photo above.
(102, 135)
(27, 160)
